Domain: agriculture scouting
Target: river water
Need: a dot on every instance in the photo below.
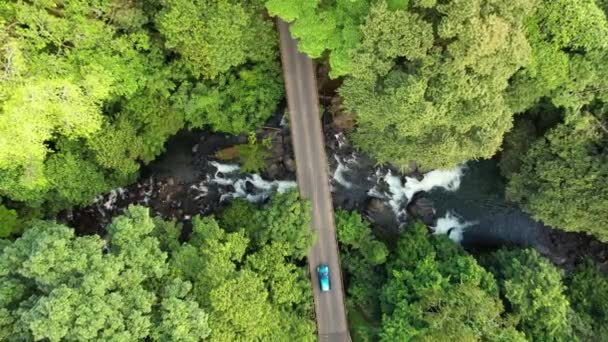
(467, 201)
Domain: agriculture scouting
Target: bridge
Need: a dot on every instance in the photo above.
(313, 182)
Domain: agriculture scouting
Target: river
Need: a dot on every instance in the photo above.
(466, 203)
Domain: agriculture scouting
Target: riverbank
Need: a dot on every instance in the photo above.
(467, 202)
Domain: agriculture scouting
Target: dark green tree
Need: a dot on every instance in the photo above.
(534, 292)
(561, 180)
(436, 292)
(569, 41)
(429, 84)
(587, 291)
(65, 288)
(141, 282)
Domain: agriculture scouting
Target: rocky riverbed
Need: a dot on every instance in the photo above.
(466, 202)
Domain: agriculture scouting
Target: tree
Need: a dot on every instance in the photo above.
(9, 222)
(436, 292)
(63, 287)
(68, 71)
(534, 292)
(515, 145)
(231, 52)
(556, 178)
(561, 179)
(285, 219)
(246, 277)
(90, 91)
(435, 96)
(356, 234)
(333, 26)
(141, 282)
(362, 257)
(587, 291)
(568, 40)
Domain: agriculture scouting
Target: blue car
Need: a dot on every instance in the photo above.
(323, 273)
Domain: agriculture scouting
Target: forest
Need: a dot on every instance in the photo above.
(94, 92)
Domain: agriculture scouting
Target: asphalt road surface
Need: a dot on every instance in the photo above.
(313, 182)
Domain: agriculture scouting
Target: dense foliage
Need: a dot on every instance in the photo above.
(557, 174)
(427, 79)
(563, 175)
(588, 293)
(90, 90)
(142, 282)
(436, 292)
(439, 83)
(427, 288)
(534, 290)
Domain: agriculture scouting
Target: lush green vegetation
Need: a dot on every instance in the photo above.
(426, 288)
(251, 156)
(90, 90)
(440, 82)
(227, 282)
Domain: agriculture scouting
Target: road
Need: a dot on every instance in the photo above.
(313, 182)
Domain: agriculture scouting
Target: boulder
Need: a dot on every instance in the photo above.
(273, 171)
(290, 164)
(375, 205)
(249, 187)
(422, 208)
(378, 212)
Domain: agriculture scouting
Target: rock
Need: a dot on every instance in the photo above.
(377, 211)
(278, 151)
(331, 144)
(170, 181)
(290, 164)
(249, 187)
(375, 205)
(195, 148)
(273, 171)
(422, 208)
(419, 175)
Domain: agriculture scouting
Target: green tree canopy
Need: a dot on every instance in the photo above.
(562, 177)
(436, 292)
(62, 287)
(569, 41)
(90, 91)
(430, 83)
(325, 26)
(142, 282)
(587, 291)
(535, 294)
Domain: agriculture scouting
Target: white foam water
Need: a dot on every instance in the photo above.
(339, 174)
(284, 123)
(401, 193)
(341, 139)
(201, 188)
(262, 188)
(224, 168)
(452, 226)
(113, 196)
